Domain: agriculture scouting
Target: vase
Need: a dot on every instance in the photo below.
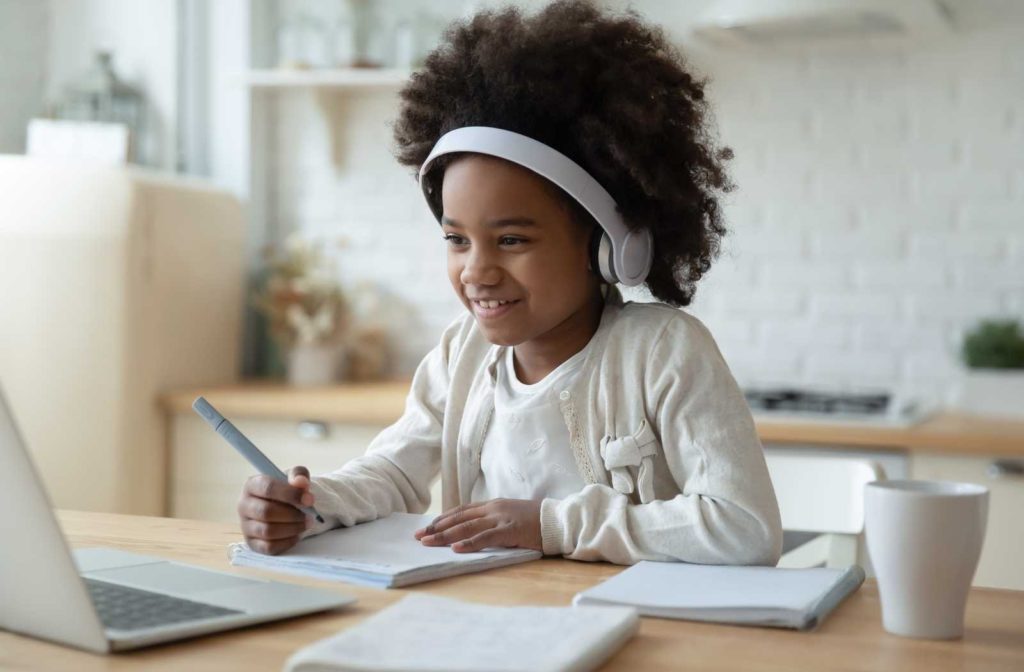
(310, 365)
(997, 393)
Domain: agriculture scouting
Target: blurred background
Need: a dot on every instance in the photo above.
(200, 195)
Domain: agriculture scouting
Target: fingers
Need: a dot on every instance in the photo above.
(299, 477)
(272, 538)
(259, 529)
(451, 518)
(268, 511)
(270, 520)
(458, 532)
(265, 487)
(271, 547)
(494, 536)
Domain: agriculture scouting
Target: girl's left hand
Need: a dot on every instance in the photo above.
(510, 523)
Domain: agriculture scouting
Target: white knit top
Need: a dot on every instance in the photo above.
(660, 434)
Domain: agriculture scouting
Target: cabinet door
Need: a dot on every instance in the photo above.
(1002, 556)
(207, 474)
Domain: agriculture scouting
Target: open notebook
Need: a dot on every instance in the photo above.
(382, 553)
(424, 632)
(784, 598)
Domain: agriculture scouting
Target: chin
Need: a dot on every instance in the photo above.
(499, 337)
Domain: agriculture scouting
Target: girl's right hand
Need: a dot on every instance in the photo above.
(270, 520)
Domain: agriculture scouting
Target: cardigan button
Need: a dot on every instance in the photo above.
(564, 395)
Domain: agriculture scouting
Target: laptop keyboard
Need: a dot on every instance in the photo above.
(124, 608)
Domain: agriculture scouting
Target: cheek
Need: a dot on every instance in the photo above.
(576, 282)
(454, 273)
(565, 271)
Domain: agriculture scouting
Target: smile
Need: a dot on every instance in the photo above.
(492, 309)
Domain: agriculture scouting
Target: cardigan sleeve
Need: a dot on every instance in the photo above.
(725, 512)
(401, 463)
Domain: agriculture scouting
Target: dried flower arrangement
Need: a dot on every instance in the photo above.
(301, 297)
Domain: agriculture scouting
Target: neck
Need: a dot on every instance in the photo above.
(538, 357)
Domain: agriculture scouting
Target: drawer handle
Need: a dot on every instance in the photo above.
(312, 430)
(1006, 469)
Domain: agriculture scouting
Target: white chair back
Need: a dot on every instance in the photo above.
(818, 493)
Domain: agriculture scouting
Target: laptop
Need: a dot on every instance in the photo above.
(103, 599)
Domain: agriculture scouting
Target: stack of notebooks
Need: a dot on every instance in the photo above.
(382, 554)
(767, 596)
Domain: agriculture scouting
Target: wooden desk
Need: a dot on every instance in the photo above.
(852, 639)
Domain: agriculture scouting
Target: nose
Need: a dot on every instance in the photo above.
(480, 268)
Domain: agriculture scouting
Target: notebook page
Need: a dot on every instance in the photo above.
(424, 632)
(685, 586)
(386, 545)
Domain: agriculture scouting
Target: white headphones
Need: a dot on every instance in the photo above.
(621, 255)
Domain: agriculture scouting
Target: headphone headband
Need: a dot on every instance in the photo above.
(631, 250)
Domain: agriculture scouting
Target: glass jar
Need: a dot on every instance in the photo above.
(101, 96)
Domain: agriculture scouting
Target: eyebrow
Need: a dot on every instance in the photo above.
(494, 223)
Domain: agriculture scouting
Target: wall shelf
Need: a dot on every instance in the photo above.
(326, 78)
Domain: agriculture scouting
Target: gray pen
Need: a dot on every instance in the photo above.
(230, 433)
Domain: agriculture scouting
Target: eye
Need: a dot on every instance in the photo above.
(511, 240)
(454, 239)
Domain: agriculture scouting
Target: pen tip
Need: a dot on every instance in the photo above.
(319, 519)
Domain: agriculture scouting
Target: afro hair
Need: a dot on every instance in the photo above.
(608, 91)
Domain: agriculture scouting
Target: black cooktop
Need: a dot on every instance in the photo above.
(806, 401)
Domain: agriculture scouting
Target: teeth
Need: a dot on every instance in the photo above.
(491, 304)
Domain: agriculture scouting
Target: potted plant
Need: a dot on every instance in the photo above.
(306, 311)
(993, 383)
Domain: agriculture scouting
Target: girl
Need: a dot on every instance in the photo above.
(561, 153)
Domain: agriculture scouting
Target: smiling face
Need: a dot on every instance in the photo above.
(517, 258)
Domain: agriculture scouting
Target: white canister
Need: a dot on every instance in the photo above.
(924, 539)
(311, 365)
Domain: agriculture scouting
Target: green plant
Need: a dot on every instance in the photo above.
(994, 344)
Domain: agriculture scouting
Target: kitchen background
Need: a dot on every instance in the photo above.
(879, 217)
(880, 208)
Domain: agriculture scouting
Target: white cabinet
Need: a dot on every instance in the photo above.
(1002, 556)
(117, 283)
(207, 474)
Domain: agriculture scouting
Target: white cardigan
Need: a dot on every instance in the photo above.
(659, 429)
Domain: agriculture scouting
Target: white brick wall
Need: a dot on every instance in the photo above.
(880, 208)
(913, 222)
(23, 60)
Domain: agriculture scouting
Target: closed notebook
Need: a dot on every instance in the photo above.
(784, 598)
(382, 553)
(424, 632)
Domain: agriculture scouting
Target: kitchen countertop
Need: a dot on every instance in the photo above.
(381, 403)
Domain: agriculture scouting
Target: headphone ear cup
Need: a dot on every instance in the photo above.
(602, 256)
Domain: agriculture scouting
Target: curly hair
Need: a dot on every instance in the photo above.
(608, 91)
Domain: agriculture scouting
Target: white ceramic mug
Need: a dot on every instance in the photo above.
(924, 539)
